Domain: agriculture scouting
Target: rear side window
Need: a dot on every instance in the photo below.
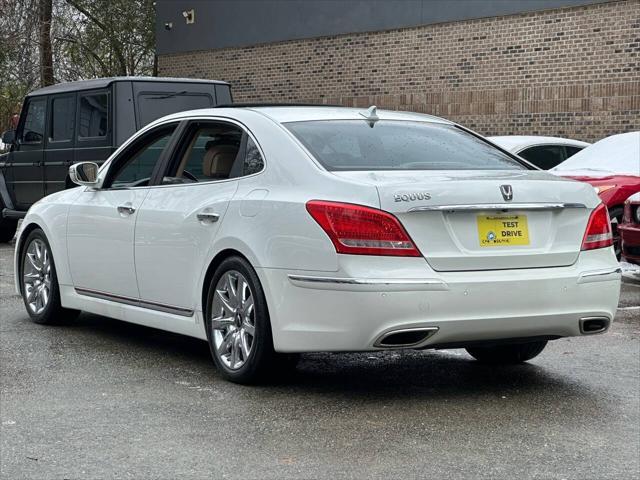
(253, 161)
(211, 153)
(223, 94)
(63, 114)
(93, 115)
(544, 156)
(33, 129)
(153, 105)
(572, 150)
(344, 145)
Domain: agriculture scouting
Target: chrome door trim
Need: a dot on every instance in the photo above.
(368, 284)
(159, 307)
(496, 206)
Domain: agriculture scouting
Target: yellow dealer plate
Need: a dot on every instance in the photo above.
(503, 230)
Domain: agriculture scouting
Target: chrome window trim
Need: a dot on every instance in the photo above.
(159, 307)
(107, 163)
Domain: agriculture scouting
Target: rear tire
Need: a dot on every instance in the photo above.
(507, 354)
(238, 325)
(39, 283)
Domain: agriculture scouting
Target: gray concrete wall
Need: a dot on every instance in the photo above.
(236, 23)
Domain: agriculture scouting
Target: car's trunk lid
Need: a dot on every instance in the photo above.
(458, 218)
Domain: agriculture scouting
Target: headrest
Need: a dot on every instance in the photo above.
(218, 159)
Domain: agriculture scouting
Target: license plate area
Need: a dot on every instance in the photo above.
(502, 230)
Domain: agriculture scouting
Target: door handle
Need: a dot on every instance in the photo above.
(126, 209)
(207, 217)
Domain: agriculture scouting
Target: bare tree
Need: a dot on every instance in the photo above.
(64, 40)
(46, 52)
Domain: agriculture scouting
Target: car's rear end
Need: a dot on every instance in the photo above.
(465, 246)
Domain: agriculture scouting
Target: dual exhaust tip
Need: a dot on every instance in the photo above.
(405, 337)
(418, 336)
(593, 325)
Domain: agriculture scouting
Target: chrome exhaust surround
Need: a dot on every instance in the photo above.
(405, 337)
(593, 325)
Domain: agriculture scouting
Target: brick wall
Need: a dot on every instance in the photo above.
(571, 72)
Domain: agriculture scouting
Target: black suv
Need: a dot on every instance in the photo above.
(85, 121)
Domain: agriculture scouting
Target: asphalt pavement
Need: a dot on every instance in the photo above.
(99, 398)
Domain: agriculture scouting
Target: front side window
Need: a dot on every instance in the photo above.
(135, 166)
(93, 115)
(343, 145)
(63, 112)
(33, 129)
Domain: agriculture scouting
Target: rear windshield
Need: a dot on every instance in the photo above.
(342, 145)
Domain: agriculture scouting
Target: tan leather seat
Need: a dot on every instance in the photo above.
(218, 160)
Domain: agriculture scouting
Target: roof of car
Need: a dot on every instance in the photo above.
(517, 142)
(300, 113)
(104, 82)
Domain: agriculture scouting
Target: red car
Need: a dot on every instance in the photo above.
(612, 166)
(630, 229)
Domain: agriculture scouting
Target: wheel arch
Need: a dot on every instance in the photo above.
(213, 265)
(24, 233)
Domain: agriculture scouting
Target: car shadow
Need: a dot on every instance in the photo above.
(369, 376)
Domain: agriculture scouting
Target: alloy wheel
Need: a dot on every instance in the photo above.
(233, 320)
(36, 276)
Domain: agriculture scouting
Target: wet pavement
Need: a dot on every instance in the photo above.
(99, 398)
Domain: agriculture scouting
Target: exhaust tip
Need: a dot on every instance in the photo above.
(592, 325)
(405, 337)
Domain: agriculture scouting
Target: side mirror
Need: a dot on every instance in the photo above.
(84, 173)
(8, 137)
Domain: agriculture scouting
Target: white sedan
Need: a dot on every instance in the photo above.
(270, 231)
(543, 152)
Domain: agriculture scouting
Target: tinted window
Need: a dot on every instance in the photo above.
(135, 166)
(397, 145)
(93, 116)
(572, 150)
(154, 105)
(544, 156)
(33, 129)
(223, 94)
(63, 112)
(211, 153)
(253, 162)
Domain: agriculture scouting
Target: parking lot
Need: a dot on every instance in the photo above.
(101, 398)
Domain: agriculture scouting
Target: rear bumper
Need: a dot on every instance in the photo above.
(370, 297)
(630, 236)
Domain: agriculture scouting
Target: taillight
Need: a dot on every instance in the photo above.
(360, 230)
(598, 234)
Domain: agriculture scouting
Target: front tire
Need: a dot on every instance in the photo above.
(507, 354)
(238, 324)
(39, 283)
